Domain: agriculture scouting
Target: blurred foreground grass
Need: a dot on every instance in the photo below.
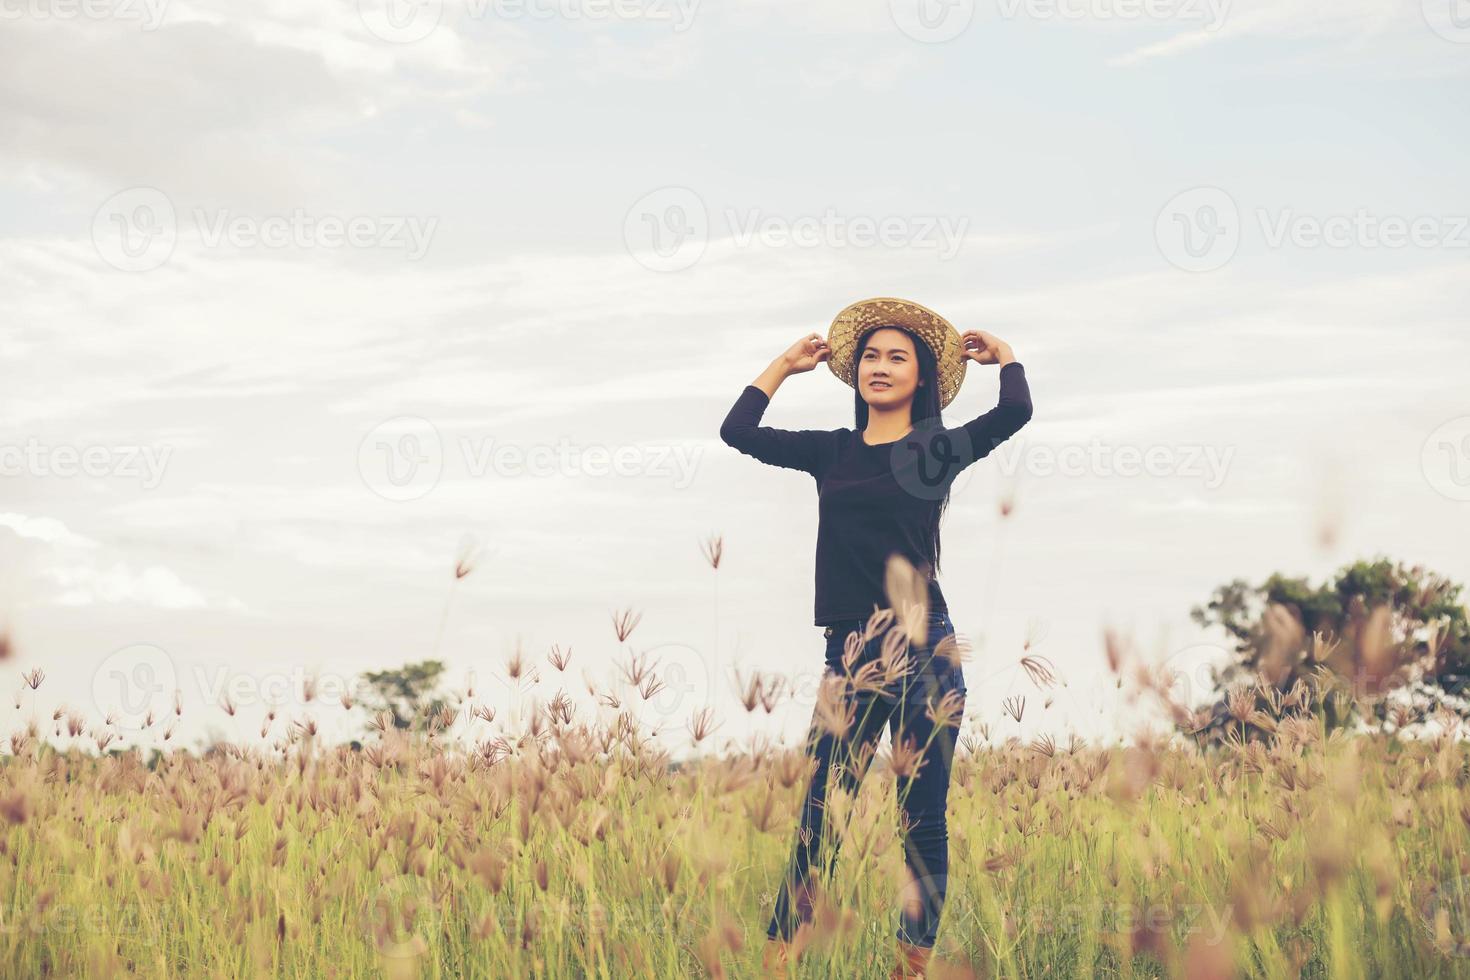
(577, 852)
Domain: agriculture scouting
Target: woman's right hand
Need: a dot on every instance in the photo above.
(806, 354)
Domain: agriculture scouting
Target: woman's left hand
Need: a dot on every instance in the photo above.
(986, 348)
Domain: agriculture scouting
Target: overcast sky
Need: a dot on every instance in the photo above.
(291, 305)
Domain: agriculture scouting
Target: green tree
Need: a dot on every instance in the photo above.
(1378, 643)
(409, 694)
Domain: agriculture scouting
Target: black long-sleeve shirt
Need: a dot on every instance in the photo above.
(875, 501)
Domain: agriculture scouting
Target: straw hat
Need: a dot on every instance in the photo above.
(937, 332)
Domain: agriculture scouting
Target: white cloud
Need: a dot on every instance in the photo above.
(1354, 32)
(154, 585)
(83, 573)
(47, 529)
(213, 102)
(661, 59)
(1192, 504)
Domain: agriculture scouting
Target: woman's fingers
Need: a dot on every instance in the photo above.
(808, 352)
(984, 346)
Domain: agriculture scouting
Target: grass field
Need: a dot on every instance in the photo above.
(576, 851)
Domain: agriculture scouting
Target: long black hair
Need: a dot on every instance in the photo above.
(925, 406)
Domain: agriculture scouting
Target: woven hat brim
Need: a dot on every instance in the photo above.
(936, 332)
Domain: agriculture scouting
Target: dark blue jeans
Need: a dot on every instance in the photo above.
(922, 796)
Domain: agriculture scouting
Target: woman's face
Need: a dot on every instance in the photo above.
(888, 371)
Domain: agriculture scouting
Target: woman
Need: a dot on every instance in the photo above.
(882, 488)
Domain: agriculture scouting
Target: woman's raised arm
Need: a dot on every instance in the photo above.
(1012, 410)
(799, 449)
